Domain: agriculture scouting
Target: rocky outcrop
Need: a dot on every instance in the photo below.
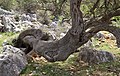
(11, 25)
(12, 61)
(92, 56)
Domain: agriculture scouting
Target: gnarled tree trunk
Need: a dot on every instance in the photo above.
(77, 36)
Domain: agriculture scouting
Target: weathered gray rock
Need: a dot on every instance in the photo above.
(62, 35)
(25, 17)
(8, 23)
(99, 35)
(33, 17)
(5, 12)
(111, 36)
(29, 17)
(88, 44)
(54, 24)
(92, 56)
(12, 61)
(2, 28)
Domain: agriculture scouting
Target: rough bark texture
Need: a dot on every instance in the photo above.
(76, 36)
(36, 33)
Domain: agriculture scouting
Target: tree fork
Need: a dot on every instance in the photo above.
(61, 49)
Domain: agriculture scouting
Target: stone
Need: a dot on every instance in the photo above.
(62, 35)
(25, 17)
(53, 35)
(5, 12)
(12, 61)
(54, 24)
(88, 44)
(29, 17)
(33, 17)
(5, 42)
(100, 36)
(2, 28)
(8, 22)
(111, 36)
(92, 56)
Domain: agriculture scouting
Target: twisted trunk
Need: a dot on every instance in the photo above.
(77, 36)
(61, 49)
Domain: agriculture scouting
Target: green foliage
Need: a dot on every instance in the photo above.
(8, 4)
(8, 36)
(116, 21)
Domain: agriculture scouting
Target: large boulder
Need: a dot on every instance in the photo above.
(92, 56)
(12, 61)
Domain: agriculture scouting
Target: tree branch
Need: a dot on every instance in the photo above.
(94, 6)
(60, 50)
(103, 27)
(107, 17)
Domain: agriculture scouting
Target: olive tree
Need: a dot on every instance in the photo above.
(99, 15)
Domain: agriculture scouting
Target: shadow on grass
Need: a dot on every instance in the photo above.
(71, 68)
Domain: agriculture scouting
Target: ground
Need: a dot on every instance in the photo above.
(70, 67)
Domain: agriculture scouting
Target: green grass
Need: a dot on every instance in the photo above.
(106, 46)
(70, 68)
(8, 36)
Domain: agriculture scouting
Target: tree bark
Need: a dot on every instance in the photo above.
(77, 36)
(61, 49)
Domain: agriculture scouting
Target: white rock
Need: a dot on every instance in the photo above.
(12, 61)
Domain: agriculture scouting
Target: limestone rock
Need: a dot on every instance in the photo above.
(12, 61)
(8, 22)
(88, 44)
(29, 17)
(2, 28)
(92, 56)
(111, 36)
(99, 35)
(54, 24)
(5, 12)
